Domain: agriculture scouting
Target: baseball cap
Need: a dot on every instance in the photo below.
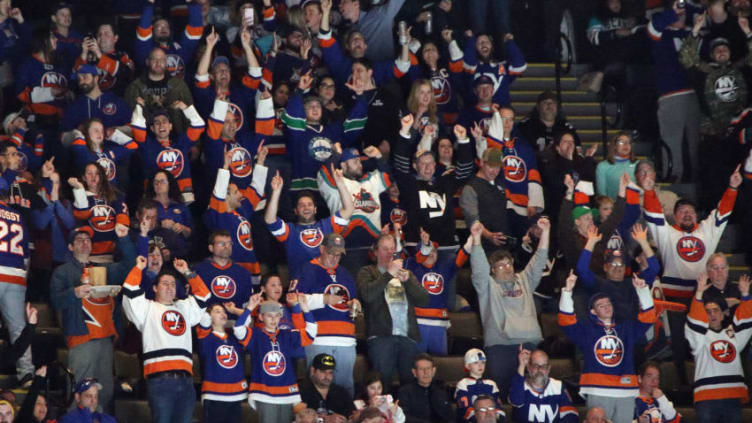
(580, 211)
(349, 153)
(87, 68)
(270, 307)
(334, 243)
(719, 41)
(612, 256)
(483, 79)
(86, 384)
(220, 59)
(323, 362)
(492, 157)
(80, 230)
(474, 355)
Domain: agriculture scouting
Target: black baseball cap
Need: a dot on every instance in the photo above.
(323, 362)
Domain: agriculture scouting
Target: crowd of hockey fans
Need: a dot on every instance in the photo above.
(277, 189)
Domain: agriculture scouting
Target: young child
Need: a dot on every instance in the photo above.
(470, 387)
(274, 389)
(224, 387)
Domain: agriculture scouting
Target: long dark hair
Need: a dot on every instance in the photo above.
(106, 190)
(173, 192)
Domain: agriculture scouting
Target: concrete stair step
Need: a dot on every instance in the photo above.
(543, 83)
(518, 93)
(549, 70)
(568, 108)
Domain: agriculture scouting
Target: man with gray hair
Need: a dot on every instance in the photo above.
(536, 397)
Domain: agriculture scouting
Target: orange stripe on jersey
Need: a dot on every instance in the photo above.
(203, 84)
(252, 196)
(198, 287)
(268, 12)
(413, 59)
(185, 183)
(722, 393)
(194, 133)
(79, 142)
(633, 196)
(214, 131)
(44, 109)
(265, 126)
(139, 134)
(102, 247)
(268, 75)
(15, 280)
(107, 64)
(676, 293)
(167, 365)
(194, 31)
(335, 327)
(227, 388)
(123, 219)
(251, 82)
(202, 333)
(134, 278)
(462, 258)
(648, 316)
(274, 390)
(455, 67)
(534, 175)
(253, 268)
(218, 205)
(143, 32)
(727, 201)
(567, 319)
(326, 43)
(433, 313)
(358, 223)
(697, 311)
(519, 199)
(651, 202)
(601, 379)
(299, 323)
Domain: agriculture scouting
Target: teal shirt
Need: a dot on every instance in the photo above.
(607, 176)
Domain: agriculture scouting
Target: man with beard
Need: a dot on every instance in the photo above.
(115, 67)
(158, 35)
(479, 62)
(536, 397)
(229, 283)
(158, 90)
(540, 127)
(302, 238)
(111, 109)
(331, 401)
(376, 24)
(365, 190)
(507, 309)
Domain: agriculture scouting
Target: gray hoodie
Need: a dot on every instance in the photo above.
(507, 309)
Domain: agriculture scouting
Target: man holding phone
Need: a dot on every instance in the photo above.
(390, 294)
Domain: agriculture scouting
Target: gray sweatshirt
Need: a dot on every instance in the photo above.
(507, 309)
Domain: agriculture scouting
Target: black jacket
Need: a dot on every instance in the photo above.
(423, 405)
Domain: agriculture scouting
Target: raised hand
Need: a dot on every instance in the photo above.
(476, 130)
(593, 234)
(292, 299)
(261, 152)
(425, 237)
(32, 314)
(180, 265)
(305, 81)
(143, 227)
(326, 6)
(407, 122)
(357, 86)
(254, 301)
(523, 358)
(569, 183)
(571, 281)
(277, 182)
(744, 24)
(48, 168)
(232, 308)
(245, 38)
(736, 178)
(476, 230)
(446, 35)
(544, 224)
(212, 39)
(372, 152)
(41, 372)
(590, 152)
(460, 132)
(623, 182)
(639, 233)
(338, 174)
(179, 105)
(305, 47)
(744, 282)
(638, 282)
(75, 183)
(141, 262)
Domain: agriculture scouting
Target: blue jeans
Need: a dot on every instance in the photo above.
(502, 364)
(344, 361)
(433, 340)
(171, 399)
(479, 15)
(12, 303)
(390, 353)
(721, 411)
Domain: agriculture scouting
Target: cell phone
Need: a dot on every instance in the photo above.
(248, 16)
(383, 402)
(681, 4)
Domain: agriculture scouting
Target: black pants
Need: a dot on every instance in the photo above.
(221, 411)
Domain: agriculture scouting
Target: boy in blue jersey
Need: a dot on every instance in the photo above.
(469, 388)
(438, 278)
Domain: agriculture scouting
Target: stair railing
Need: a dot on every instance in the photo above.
(558, 68)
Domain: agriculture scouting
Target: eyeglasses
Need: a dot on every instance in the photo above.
(504, 264)
(326, 86)
(624, 142)
(223, 243)
(486, 409)
(616, 264)
(538, 366)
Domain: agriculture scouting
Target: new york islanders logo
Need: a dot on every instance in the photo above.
(232, 107)
(311, 237)
(690, 248)
(433, 283)
(609, 350)
(226, 356)
(102, 218)
(514, 169)
(341, 290)
(244, 235)
(173, 322)
(54, 80)
(320, 148)
(223, 287)
(175, 65)
(274, 363)
(442, 89)
(723, 351)
(240, 162)
(363, 200)
(110, 109)
(171, 160)
(725, 88)
(110, 169)
(398, 215)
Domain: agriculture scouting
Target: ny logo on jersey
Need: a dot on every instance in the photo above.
(442, 89)
(609, 350)
(690, 248)
(226, 356)
(723, 351)
(110, 109)
(433, 283)
(223, 287)
(541, 413)
(173, 322)
(435, 203)
(102, 218)
(340, 290)
(274, 363)
(171, 160)
(235, 110)
(398, 215)
(244, 235)
(109, 167)
(514, 168)
(311, 237)
(725, 88)
(240, 162)
(54, 79)
(175, 65)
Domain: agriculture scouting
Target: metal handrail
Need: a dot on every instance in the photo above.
(558, 68)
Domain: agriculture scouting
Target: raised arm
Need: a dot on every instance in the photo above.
(348, 207)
